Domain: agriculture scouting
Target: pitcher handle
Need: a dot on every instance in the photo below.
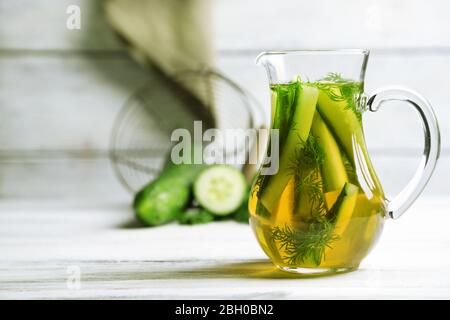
(400, 203)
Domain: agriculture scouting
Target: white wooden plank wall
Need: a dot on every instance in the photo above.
(60, 90)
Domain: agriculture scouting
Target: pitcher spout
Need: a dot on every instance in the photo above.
(261, 59)
(274, 64)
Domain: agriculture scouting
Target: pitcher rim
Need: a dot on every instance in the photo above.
(354, 51)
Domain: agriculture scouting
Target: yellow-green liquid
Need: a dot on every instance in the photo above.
(325, 207)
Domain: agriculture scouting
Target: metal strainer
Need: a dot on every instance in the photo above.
(140, 141)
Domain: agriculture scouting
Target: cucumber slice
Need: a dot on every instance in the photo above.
(302, 120)
(221, 189)
(333, 170)
(341, 212)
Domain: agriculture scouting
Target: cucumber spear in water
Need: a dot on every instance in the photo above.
(164, 199)
(334, 174)
(304, 108)
(312, 245)
(221, 189)
(338, 107)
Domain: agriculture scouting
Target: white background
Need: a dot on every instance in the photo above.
(60, 90)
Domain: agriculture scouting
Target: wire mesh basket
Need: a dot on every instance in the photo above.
(141, 136)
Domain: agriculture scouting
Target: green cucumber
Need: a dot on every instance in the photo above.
(298, 133)
(348, 131)
(221, 189)
(334, 174)
(342, 210)
(195, 216)
(162, 200)
(342, 121)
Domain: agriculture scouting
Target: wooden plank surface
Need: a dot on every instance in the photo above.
(71, 97)
(60, 90)
(42, 243)
(41, 25)
(87, 178)
(332, 24)
(67, 105)
(243, 25)
(72, 101)
(58, 176)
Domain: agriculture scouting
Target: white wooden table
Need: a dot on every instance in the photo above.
(45, 245)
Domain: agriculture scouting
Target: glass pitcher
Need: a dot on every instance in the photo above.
(324, 208)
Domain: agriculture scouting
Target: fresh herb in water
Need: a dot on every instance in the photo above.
(349, 91)
(306, 171)
(300, 245)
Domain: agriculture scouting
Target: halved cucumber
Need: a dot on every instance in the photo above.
(305, 108)
(221, 189)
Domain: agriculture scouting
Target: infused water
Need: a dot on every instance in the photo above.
(325, 206)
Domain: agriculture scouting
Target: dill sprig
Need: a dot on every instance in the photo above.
(349, 91)
(310, 243)
(335, 77)
(305, 168)
(300, 245)
(313, 186)
(308, 155)
(350, 171)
